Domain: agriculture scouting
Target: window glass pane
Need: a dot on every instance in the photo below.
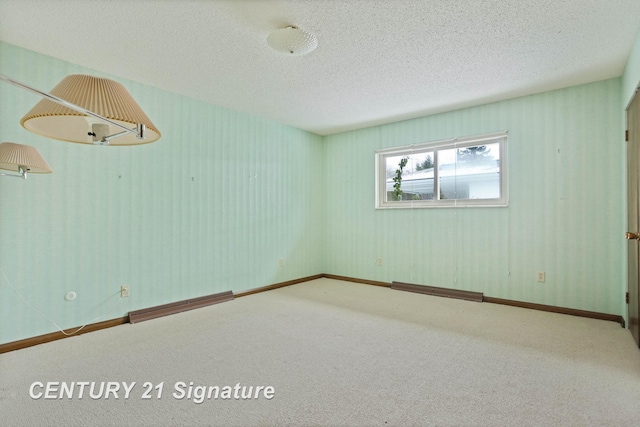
(447, 174)
(470, 172)
(410, 176)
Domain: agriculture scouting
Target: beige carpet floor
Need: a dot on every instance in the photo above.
(336, 354)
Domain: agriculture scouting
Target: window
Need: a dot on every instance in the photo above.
(458, 172)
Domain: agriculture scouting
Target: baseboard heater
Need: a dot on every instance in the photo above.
(178, 307)
(440, 292)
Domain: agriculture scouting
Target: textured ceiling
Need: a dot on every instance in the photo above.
(377, 61)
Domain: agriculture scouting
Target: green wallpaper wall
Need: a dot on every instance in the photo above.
(212, 206)
(223, 196)
(631, 76)
(566, 178)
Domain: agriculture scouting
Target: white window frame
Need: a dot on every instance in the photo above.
(435, 146)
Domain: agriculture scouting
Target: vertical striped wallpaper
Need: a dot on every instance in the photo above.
(565, 217)
(223, 196)
(212, 206)
(631, 76)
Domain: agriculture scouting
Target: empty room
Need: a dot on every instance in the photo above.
(319, 213)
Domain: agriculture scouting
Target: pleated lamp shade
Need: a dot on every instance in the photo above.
(102, 96)
(13, 156)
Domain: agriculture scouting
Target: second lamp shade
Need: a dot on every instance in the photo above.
(14, 156)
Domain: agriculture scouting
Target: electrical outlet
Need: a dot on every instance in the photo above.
(541, 276)
(281, 262)
(379, 261)
(124, 292)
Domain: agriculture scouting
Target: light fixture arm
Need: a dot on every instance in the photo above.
(138, 130)
(21, 170)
